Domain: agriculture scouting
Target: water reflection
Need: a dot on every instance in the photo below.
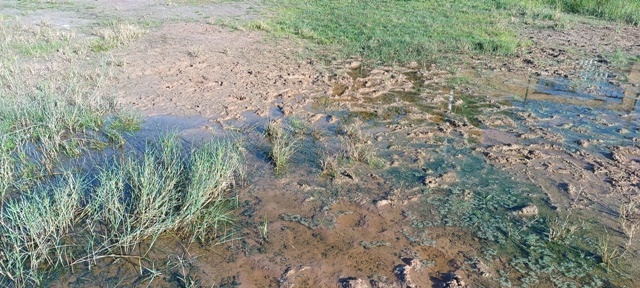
(588, 88)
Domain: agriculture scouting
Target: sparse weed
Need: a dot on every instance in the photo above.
(628, 220)
(621, 60)
(114, 35)
(608, 251)
(183, 275)
(329, 165)
(562, 229)
(298, 126)
(35, 41)
(282, 146)
(195, 52)
(359, 151)
(152, 272)
(264, 230)
(274, 130)
(126, 121)
(6, 170)
(358, 147)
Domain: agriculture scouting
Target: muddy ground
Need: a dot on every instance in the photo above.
(557, 122)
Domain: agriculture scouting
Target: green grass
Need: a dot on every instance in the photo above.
(53, 112)
(76, 219)
(397, 31)
(282, 146)
(196, 2)
(421, 30)
(627, 11)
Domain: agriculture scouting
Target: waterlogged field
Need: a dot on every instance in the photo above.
(204, 143)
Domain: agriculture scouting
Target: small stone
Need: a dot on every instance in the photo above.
(530, 210)
(383, 203)
(413, 65)
(348, 174)
(286, 110)
(354, 65)
(482, 268)
(384, 283)
(353, 283)
(430, 181)
(288, 276)
(455, 282)
(402, 272)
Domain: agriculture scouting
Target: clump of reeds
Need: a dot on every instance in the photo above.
(138, 198)
(358, 145)
(282, 145)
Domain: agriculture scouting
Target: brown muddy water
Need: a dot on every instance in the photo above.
(519, 186)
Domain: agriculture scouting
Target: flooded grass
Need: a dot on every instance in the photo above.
(283, 146)
(487, 200)
(140, 198)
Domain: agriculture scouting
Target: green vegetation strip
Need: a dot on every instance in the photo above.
(618, 10)
(397, 30)
(402, 31)
(76, 219)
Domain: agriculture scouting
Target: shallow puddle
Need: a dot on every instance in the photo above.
(394, 187)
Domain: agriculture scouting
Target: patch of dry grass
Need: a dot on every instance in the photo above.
(115, 35)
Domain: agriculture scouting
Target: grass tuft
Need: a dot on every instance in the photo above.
(359, 147)
(114, 35)
(282, 145)
(137, 199)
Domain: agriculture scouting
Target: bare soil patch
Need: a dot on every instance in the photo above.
(190, 68)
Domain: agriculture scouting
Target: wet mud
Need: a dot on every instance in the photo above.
(461, 195)
(499, 176)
